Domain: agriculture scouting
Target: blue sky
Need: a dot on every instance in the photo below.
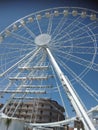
(11, 10)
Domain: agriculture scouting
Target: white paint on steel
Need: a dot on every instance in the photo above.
(68, 86)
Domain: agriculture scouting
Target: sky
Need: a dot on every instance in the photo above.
(12, 10)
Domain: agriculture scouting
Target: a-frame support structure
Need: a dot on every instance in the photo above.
(72, 95)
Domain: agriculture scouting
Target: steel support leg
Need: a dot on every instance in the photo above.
(80, 111)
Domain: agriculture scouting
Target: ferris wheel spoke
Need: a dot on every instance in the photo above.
(80, 81)
(10, 58)
(77, 41)
(15, 45)
(78, 49)
(87, 29)
(36, 51)
(84, 29)
(84, 50)
(9, 62)
(38, 24)
(29, 31)
(81, 39)
(69, 27)
(49, 28)
(15, 49)
(80, 61)
(79, 31)
(10, 53)
(21, 38)
(59, 26)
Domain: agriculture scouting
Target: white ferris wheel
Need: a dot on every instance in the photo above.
(52, 54)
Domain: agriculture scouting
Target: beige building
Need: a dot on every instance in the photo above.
(37, 110)
(40, 111)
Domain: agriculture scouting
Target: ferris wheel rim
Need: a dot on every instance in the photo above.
(65, 7)
(74, 8)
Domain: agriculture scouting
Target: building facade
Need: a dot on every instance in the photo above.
(37, 110)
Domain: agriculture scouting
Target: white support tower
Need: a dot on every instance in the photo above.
(80, 111)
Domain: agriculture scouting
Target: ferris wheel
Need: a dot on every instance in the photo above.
(52, 54)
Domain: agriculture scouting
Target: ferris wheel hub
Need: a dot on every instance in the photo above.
(42, 39)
